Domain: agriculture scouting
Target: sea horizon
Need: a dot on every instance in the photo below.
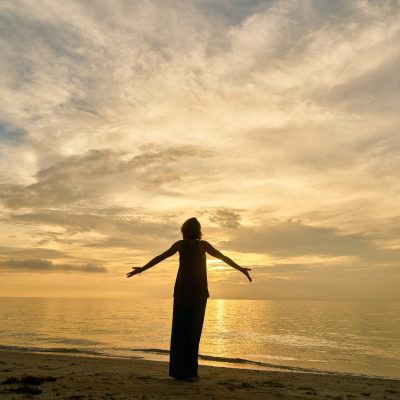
(375, 300)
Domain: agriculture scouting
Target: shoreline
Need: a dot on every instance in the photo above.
(95, 377)
(160, 355)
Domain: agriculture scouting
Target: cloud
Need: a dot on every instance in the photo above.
(40, 265)
(104, 228)
(28, 252)
(96, 173)
(225, 217)
(294, 239)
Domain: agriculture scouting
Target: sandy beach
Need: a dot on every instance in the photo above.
(50, 376)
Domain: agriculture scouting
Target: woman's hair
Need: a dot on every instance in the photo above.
(191, 229)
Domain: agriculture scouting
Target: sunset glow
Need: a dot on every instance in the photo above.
(275, 123)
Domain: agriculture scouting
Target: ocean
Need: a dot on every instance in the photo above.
(361, 338)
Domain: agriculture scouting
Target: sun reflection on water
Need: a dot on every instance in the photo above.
(216, 326)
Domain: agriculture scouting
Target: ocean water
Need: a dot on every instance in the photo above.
(330, 336)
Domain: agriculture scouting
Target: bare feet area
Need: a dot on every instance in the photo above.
(50, 376)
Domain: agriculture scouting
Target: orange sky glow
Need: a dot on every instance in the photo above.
(275, 123)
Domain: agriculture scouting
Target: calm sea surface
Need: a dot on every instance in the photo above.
(354, 337)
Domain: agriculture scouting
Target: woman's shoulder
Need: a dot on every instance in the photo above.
(178, 243)
(204, 245)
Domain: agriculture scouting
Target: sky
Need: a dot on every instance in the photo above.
(275, 123)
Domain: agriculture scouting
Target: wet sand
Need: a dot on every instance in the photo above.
(50, 376)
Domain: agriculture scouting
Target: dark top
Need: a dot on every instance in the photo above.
(191, 281)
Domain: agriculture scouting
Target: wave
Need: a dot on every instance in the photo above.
(219, 359)
(243, 361)
(268, 366)
(222, 360)
(53, 350)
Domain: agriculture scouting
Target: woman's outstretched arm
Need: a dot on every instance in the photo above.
(217, 254)
(170, 252)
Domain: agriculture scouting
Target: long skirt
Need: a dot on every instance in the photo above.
(187, 324)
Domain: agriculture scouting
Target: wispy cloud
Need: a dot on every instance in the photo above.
(97, 173)
(39, 265)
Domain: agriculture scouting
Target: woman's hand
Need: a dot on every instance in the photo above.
(246, 272)
(136, 270)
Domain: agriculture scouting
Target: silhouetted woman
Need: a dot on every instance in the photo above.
(190, 297)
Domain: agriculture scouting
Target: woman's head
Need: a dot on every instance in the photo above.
(191, 229)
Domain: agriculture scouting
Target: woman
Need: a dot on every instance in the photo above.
(190, 297)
